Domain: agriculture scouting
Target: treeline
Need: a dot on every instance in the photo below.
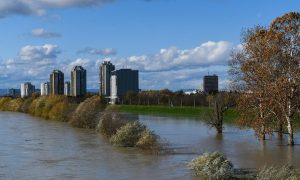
(164, 97)
(89, 112)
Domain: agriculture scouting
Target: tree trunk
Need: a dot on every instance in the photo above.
(290, 132)
(263, 133)
(280, 130)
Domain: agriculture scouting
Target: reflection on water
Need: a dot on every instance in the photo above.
(32, 148)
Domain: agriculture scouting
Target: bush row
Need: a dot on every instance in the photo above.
(91, 114)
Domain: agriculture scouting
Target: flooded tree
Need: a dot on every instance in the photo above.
(266, 72)
(220, 102)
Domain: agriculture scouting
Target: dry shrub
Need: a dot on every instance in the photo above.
(15, 105)
(128, 135)
(278, 173)
(50, 102)
(110, 121)
(60, 112)
(85, 115)
(148, 141)
(212, 166)
(3, 103)
(26, 104)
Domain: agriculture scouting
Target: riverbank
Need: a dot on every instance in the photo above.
(88, 113)
(185, 111)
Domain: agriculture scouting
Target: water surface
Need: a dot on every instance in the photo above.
(32, 148)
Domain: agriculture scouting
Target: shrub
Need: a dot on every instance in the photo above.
(212, 166)
(3, 103)
(277, 173)
(128, 135)
(148, 141)
(50, 102)
(110, 121)
(26, 104)
(15, 105)
(85, 115)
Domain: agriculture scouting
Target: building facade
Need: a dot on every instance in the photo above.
(210, 84)
(57, 83)
(123, 81)
(67, 89)
(27, 89)
(45, 89)
(106, 69)
(13, 92)
(78, 81)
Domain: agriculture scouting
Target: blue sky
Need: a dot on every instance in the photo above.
(172, 42)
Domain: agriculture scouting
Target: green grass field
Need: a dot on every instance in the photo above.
(198, 112)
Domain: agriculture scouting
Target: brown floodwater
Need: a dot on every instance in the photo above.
(32, 148)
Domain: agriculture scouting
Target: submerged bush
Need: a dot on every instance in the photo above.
(277, 173)
(212, 166)
(110, 121)
(148, 141)
(128, 135)
(85, 115)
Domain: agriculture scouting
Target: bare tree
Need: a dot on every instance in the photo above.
(221, 102)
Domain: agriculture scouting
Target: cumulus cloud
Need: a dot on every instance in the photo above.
(43, 33)
(209, 53)
(171, 68)
(94, 51)
(40, 7)
(39, 53)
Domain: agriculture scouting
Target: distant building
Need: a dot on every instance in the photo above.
(67, 88)
(210, 84)
(45, 89)
(106, 69)
(13, 92)
(57, 83)
(27, 89)
(123, 81)
(78, 81)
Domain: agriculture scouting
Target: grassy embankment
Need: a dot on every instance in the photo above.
(191, 112)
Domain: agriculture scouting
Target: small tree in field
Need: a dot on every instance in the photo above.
(220, 104)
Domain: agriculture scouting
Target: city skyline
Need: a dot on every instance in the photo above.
(179, 48)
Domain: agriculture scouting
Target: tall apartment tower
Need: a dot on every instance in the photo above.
(78, 81)
(67, 89)
(57, 83)
(27, 89)
(210, 84)
(122, 81)
(45, 89)
(106, 69)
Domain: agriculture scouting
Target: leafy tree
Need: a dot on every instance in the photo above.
(266, 72)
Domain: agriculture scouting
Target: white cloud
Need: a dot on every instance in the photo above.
(43, 33)
(209, 53)
(94, 51)
(39, 53)
(40, 7)
(171, 68)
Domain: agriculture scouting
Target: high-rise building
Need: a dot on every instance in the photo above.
(67, 89)
(210, 84)
(13, 92)
(123, 81)
(27, 89)
(45, 89)
(78, 81)
(57, 83)
(106, 69)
